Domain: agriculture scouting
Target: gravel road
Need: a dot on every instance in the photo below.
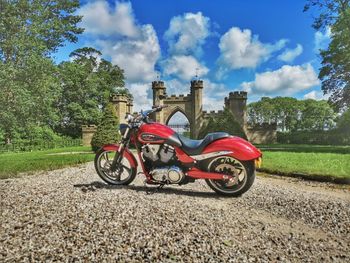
(70, 215)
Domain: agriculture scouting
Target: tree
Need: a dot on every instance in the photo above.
(315, 115)
(86, 84)
(291, 114)
(280, 110)
(343, 124)
(107, 130)
(29, 32)
(335, 70)
(28, 94)
(36, 27)
(224, 122)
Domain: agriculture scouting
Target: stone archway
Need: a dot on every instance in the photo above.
(190, 105)
(179, 121)
(173, 111)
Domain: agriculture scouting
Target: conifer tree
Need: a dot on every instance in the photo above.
(107, 130)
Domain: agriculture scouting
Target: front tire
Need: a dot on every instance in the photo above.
(243, 173)
(124, 174)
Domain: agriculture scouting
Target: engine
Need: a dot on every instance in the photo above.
(161, 161)
(169, 175)
(154, 152)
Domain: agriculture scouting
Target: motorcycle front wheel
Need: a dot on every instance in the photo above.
(243, 175)
(123, 175)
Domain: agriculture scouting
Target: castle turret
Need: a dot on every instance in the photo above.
(236, 102)
(196, 107)
(129, 106)
(120, 103)
(159, 89)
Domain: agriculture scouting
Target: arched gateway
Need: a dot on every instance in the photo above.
(191, 105)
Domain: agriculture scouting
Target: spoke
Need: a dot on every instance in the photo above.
(127, 168)
(117, 176)
(240, 170)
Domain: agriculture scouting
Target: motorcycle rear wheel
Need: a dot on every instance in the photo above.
(243, 175)
(124, 173)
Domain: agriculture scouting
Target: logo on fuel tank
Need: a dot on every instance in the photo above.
(150, 137)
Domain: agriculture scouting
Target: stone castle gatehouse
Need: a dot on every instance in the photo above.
(191, 105)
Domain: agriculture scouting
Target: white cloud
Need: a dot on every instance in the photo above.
(286, 80)
(322, 40)
(133, 47)
(177, 87)
(211, 103)
(290, 54)
(100, 20)
(187, 33)
(240, 49)
(184, 67)
(316, 95)
(141, 98)
(213, 95)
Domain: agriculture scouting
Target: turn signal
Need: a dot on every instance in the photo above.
(258, 162)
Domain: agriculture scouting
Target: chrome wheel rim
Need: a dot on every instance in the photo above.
(230, 166)
(120, 175)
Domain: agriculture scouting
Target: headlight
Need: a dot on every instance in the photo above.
(129, 117)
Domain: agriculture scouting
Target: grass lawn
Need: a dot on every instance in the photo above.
(11, 164)
(317, 161)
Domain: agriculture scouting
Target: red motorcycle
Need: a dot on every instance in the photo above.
(226, 162)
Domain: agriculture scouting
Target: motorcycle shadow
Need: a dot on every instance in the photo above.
(93, 186)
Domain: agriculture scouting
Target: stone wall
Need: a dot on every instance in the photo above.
(262, 134)
(87, 133)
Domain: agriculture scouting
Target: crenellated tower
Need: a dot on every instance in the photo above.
(159, 89)
(196, 106)
(236, 102)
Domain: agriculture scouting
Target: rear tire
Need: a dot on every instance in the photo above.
(124, 174)
(243, 173)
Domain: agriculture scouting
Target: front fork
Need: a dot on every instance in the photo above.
(119, 154)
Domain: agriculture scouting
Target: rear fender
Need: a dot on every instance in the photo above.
(127, 154)
(241, 149)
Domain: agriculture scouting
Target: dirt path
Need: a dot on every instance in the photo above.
(70, 214)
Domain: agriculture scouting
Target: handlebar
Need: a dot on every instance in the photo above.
(143, 115)
(158, 108)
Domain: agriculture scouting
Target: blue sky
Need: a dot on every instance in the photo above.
(267, 48)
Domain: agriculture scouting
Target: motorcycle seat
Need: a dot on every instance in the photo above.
(194, 147)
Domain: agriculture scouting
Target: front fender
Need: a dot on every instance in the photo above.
(241, 149)
(127, 154)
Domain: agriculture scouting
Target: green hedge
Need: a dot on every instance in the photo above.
(31, 145)
(332, 137)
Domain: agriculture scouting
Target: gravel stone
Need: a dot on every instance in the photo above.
(70, 215)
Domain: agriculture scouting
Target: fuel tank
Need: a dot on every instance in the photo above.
(157, 133)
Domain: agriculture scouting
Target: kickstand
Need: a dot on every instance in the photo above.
(154, 190)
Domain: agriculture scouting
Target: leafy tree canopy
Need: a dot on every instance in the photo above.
(29, 32)
(36, 27)
(224, 122)
(86, 83)
(335, 70)
(291, 114)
